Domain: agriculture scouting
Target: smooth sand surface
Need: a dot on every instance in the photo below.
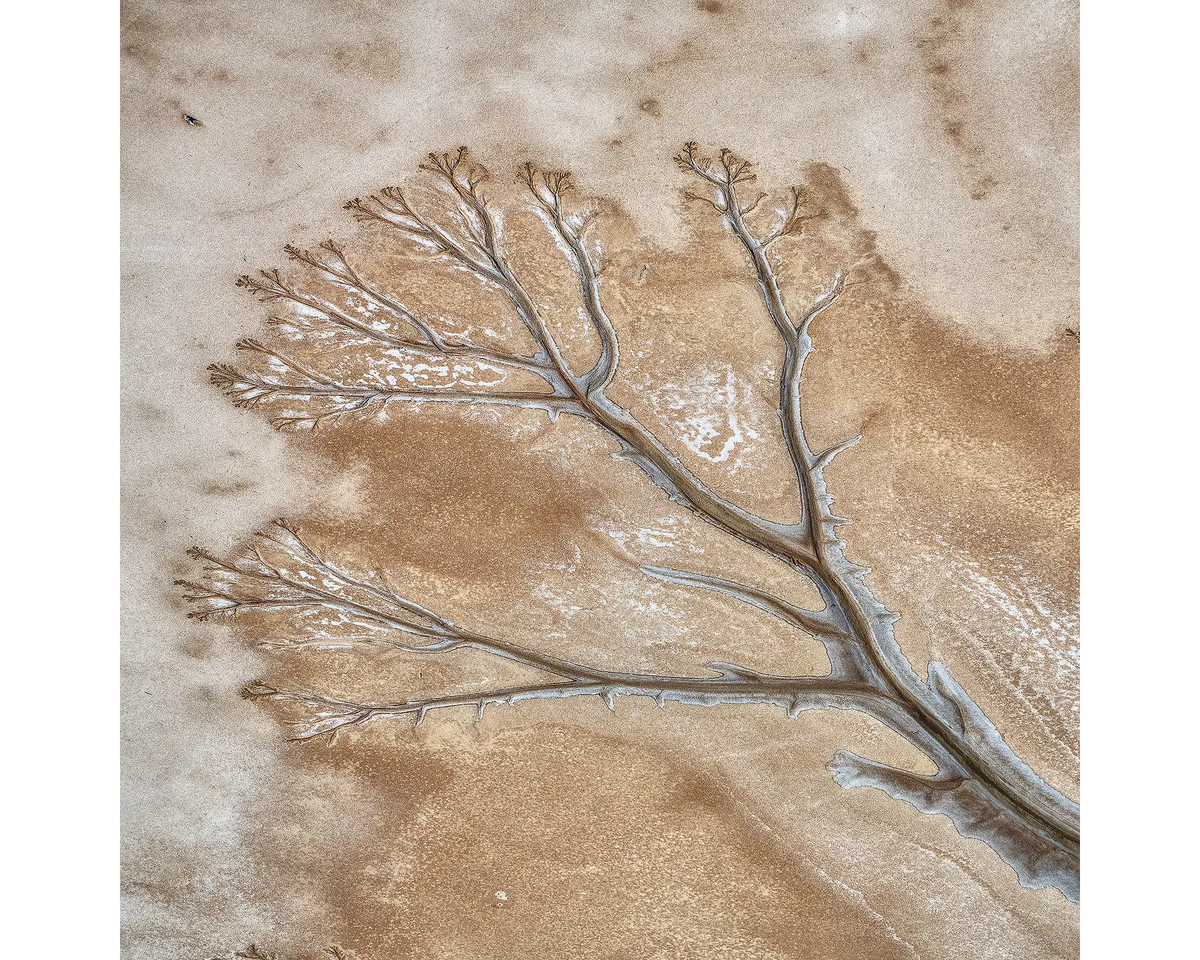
(940, 143)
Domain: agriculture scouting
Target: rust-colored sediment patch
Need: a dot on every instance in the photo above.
(568, 844)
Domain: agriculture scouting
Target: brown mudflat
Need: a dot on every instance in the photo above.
(557, 828)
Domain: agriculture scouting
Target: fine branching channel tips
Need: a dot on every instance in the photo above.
(986, 791)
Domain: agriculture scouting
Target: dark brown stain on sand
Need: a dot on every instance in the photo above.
(374, 58)
(141, 36)
(938, 48)
(982, 189)
(198, 648)
(213, 488)
(651, 106)
(935, 55)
